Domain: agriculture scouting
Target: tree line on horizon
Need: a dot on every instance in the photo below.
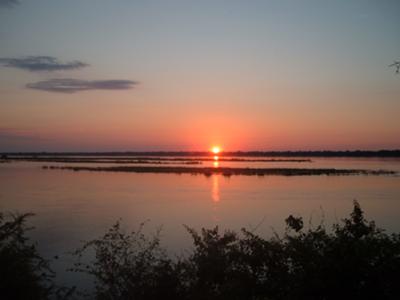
(292, 153)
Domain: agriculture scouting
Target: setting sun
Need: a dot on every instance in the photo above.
(215, 149)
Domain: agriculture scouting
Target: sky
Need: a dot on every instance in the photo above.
(101, 75)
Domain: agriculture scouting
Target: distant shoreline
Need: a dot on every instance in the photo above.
(145, 159)
(324, 153)
(225, 171)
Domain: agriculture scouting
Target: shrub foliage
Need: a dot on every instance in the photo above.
(24, 273)
(352, 260)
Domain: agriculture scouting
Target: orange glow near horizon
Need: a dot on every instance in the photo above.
(216, 149)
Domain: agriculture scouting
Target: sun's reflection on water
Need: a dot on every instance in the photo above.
(216, 161)
(215, 196)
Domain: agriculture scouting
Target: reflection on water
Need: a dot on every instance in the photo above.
(215, 196)
(215, 188)
(75, 206)
(216, 161)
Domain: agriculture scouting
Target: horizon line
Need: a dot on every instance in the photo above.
(358, 152)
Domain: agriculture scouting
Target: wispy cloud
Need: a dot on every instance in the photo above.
(69, 85)
(8, 3)
(41, 63)
(17, 135)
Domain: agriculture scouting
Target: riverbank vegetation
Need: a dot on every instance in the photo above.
(225, 171)
(352, 260)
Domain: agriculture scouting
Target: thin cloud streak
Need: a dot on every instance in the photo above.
(41, 63)
(69, 85)
(18, 135)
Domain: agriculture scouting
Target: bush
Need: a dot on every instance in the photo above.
(129, 266)
(24, 274)
(355, 260)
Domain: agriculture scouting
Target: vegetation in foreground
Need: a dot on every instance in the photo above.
(353, 260)
(24, 273)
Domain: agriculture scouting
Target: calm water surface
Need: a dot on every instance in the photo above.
(75, 206)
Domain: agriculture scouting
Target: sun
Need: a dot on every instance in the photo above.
(215, 149)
